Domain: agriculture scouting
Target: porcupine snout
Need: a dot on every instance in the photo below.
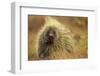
(50, 35)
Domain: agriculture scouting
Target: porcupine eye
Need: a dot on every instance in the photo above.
(51, 34)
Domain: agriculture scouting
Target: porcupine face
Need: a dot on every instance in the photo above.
(50, 36)
(48, 40)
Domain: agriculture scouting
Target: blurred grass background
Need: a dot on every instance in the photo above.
(77, 25)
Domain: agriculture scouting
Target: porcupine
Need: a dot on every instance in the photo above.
(55, 41)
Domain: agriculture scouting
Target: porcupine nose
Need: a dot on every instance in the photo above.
(51, 35)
